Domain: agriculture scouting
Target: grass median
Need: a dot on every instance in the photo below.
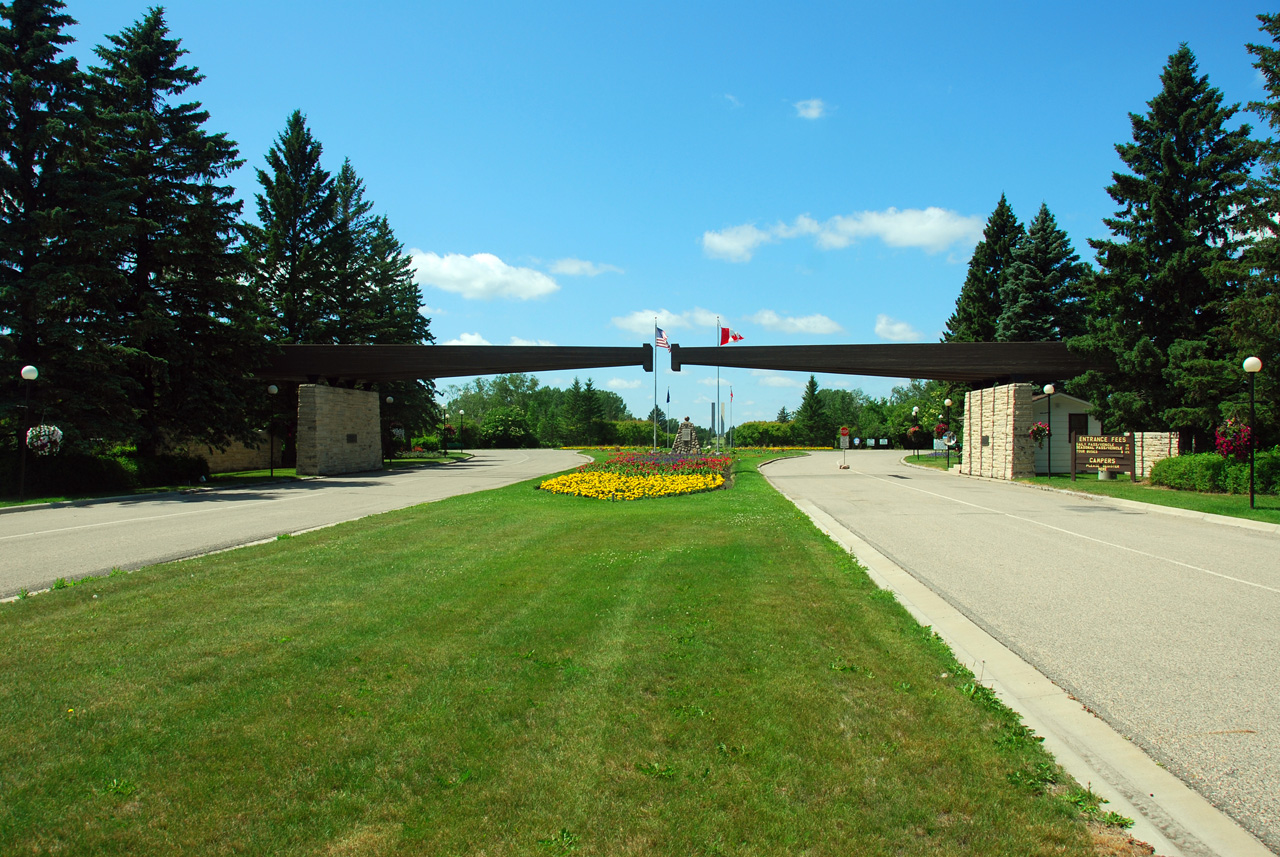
(513, 672)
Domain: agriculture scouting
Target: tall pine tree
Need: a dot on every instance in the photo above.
(978, 306)
(1254, 315)
(1159, 302)
(290, 246)
(182, 320)
(812, 425)
(48, 251)
(1041, 299)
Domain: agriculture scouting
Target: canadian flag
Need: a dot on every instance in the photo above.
(727, 336)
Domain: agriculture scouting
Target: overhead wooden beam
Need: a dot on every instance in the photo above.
(973, 362)
(371, 363)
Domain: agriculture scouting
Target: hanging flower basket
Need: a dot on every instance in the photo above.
(939, 430)
(1039, 432)
(44, 440)
(1233, 440)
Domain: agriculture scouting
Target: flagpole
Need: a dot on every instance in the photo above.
(716, 415)
(655, 383)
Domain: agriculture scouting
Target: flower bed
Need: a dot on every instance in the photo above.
(635, 476)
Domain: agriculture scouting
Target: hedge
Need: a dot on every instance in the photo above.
(1209, 472)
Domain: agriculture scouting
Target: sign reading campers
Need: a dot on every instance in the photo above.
(1093, 452)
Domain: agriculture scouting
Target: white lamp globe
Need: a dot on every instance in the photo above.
(30, 373)
(1251, 364)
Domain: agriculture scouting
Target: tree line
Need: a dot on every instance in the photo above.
(128, 275)
(1185, 286)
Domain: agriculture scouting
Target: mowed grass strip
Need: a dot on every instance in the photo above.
(511, 672)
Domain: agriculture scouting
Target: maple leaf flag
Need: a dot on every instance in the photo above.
(727, 336)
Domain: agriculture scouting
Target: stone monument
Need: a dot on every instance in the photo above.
(686, 440)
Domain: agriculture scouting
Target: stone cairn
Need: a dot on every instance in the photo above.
(686, 440)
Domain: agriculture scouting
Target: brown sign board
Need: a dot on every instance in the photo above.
(1094, 452)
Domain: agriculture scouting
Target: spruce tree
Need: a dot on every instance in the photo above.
(978, 306)
(1160, 299)
(182, 320)
(1041, 298)
(1254, 315)
(812, 425)
(48, 240)
(290, 246)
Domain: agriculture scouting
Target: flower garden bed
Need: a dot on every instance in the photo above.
(635, 476)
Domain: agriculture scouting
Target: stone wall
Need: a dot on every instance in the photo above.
(240, 457)
(1150, 447)
(996, 425)
(338, 431)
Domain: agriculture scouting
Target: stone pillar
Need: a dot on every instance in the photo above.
(339, 431)
(996, 425)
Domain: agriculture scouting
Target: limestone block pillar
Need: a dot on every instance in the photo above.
(339, 431)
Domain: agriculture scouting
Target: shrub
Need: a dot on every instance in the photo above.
(171, 469)
(1210, 472)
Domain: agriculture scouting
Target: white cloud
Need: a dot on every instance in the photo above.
(515, 340)
(482, 276)
(582, 268)
(468, 339)
(767, 378)
(642, 321)
(811, 108)
(930, 229)
(735, 244)
(620, 384)
(733, 102)
(816, 323)
(896, 331)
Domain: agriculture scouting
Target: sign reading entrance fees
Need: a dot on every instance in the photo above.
(1102, 452)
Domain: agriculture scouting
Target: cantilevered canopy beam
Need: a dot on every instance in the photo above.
(973, 362)
(351, 365)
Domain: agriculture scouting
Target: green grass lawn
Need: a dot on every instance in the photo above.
(511, 673)
(1266, 507)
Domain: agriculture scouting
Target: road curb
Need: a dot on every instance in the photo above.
(1167, 814)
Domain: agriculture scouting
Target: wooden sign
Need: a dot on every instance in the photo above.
(1092, 452)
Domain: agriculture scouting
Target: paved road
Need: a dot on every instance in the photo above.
(37, 546)
(1167, 627)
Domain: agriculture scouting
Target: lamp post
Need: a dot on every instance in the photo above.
(1048, 420)
(915, 411)
(392, 444)
(1252, 366)
(271, 430)
(29, 373)
(947, 402)
(462, 422)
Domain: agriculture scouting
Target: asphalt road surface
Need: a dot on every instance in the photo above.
(39, 545)
(1166, 627)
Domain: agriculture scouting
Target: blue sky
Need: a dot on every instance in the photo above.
(811, 173)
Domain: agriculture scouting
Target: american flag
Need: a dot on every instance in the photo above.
(662, 339)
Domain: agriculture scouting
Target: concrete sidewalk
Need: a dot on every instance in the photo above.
(1070, 610)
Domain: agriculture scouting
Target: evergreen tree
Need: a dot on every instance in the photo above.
(1041, 296)
(978, 306)
(783, 416)
(182, 320)
(48, 247)
(290, 247)
(347, 314)
(1254, 315)
(812, 426)
(1160, 300)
